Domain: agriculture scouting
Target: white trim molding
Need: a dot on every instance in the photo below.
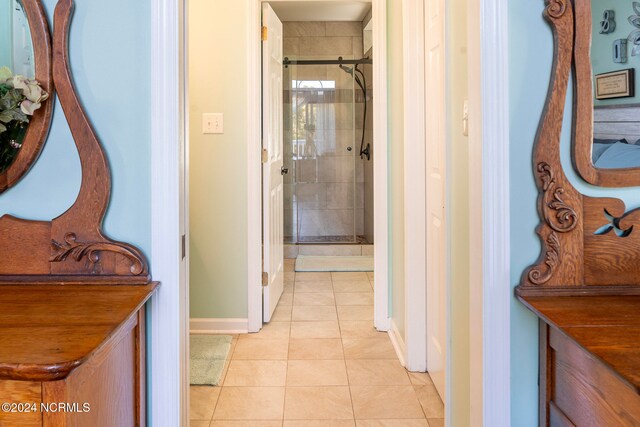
(254, 166)
(496, 277)
(415, 180)
(202, 326)
(380, 166)
(491, 289)
(397, 342)
(168, 395)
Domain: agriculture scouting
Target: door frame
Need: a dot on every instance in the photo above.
(168, 308)
(489, 139)
(491, 291)
(380, 168)
(415, 178)
(490, 282)
(254, 165)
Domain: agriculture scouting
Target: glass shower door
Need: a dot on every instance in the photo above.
(320, 203)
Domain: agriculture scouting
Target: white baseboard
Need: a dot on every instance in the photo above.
(203, 326)
(398, 343)
(383, 325)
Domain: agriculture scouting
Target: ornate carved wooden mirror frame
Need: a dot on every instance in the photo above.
(589, 245)
(41, 120)
(582, 140)
(72, 247)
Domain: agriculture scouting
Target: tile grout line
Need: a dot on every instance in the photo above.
(344, 357)
(286, 373)
(220, 386)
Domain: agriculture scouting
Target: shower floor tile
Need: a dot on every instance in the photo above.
(332, 239)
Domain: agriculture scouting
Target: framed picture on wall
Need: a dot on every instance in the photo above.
(616, 84)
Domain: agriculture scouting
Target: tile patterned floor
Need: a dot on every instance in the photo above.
(319, 362)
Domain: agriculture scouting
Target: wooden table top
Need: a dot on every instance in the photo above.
(608, 327)
(46, 331)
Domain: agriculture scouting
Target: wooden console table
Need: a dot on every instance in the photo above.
(589, 359)
(72, 355)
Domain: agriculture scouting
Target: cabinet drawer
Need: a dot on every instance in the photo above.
(21, 397)
(585, 390)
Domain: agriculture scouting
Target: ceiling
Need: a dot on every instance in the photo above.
(309, 10)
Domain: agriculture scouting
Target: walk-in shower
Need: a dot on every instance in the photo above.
(326, 145)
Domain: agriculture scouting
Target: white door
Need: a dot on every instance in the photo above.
(272, 168)
(436, 227)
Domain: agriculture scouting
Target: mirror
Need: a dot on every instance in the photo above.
(614, 57)
(25, 87)
(606, 144)
(16, 45)
(16, 57)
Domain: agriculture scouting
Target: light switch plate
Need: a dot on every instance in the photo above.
(212, 123)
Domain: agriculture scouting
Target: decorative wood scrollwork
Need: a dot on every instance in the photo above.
(555, 8)
(560, 216)
(559, 204)
(44, 251)
(552, 258)
(583, 252)
(91, 251)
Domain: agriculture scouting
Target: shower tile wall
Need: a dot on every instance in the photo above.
(319, 194)
(322, 40)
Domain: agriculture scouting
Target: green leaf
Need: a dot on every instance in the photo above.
(8, 102)
(5, 116)
(8, 116)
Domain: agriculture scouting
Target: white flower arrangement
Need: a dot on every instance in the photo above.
(20, 97)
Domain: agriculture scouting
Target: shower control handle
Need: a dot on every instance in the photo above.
(284, 171)
(349, 148)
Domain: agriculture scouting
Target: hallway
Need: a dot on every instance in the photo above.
(319, 362)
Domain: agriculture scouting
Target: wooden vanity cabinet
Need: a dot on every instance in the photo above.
(589, 360)
(579, 389)
(73, 355)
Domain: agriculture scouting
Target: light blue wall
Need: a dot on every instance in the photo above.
(602, 45)
(530, 64)
(110, 60)
(530, 56)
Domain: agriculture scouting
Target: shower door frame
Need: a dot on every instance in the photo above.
(295, 155)
(380, 168)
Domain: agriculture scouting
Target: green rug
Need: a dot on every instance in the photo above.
(207, 356)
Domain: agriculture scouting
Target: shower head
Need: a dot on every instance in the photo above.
(346, 69)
